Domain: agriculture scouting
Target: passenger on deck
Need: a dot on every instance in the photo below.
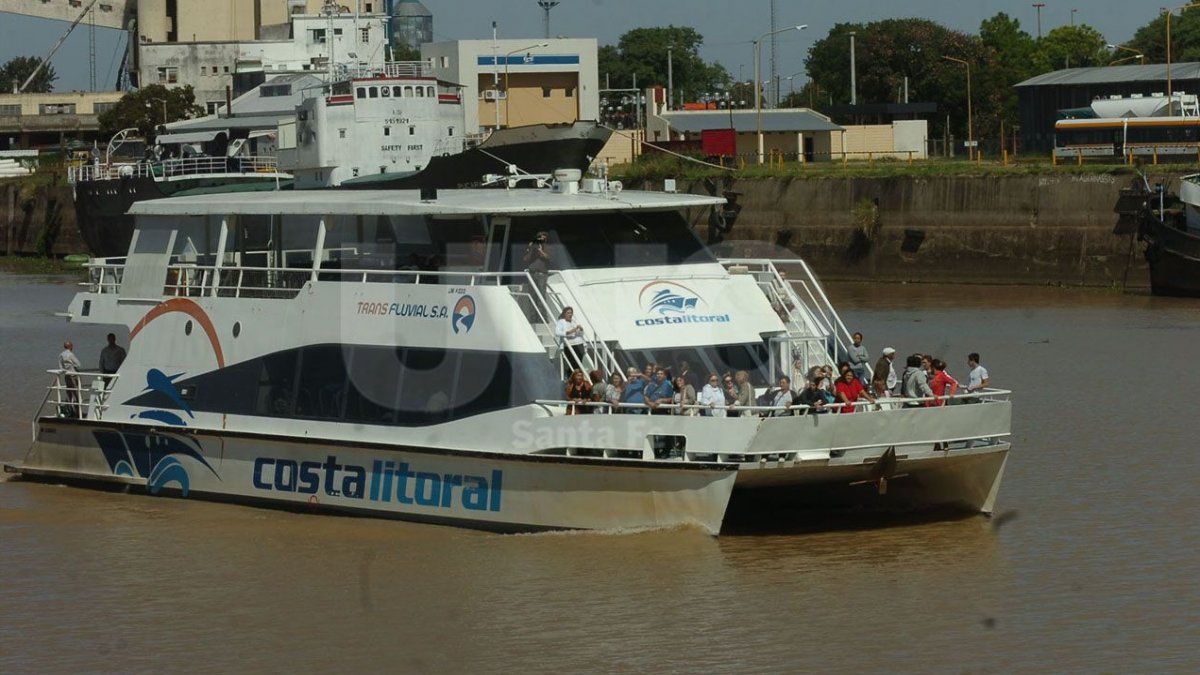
(849, 390)
(612, 395)
(537, 261)
(712, 397)
(941, 382)
(744, 393)
(599, 389)
(648, 372)
(635, 391)
(660, 392)
(813, 396)
(579, 392)
(111, 358)
(782, 397)
(927, 365)
(978, 378)
(885, 371)
(684, 398)
(69, 364)
(914, 383)
(570, 337)
(689, 375)
(859, 358)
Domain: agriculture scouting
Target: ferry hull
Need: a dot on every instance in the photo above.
(478, 490)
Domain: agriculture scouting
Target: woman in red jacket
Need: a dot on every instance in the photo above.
(941, 382)
(849, 389)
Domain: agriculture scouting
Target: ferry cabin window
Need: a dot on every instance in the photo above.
(429, 91)
(397, 90)
(385, 92)
(753, 358)
(361, 92)
(579, 241)
(374, 92)
(408, 92)
(196, 237)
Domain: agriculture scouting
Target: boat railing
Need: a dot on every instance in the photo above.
(174, 168)
(389, 69)
(879, 405)
(802, 301)
(597, 355)
(78, 394)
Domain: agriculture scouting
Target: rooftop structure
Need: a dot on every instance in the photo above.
(412, 24)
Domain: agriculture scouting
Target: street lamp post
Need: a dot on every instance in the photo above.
(970, 118)
(506, 56)
(670, 77)
(1038, 6)
(758, 79)
(1136, 54)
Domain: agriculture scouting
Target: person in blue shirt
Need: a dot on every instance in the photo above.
(660, 392)
(634, 391)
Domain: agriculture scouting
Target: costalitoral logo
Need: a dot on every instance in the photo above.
(152, 456)
(671, 303)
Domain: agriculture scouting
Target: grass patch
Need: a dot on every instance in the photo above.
(658, 167)
(15, 264)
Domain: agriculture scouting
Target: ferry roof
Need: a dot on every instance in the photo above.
(408, 202)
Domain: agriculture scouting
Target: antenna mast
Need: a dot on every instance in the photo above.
(774, 98)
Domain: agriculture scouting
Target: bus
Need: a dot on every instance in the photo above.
(1126, 137)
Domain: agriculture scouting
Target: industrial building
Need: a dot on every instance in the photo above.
(45, 120)
(412, 23)
(510, 83)
(1041, 99)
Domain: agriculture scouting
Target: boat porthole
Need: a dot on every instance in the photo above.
(237, 328)
(187, 327)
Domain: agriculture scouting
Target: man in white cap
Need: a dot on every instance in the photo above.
(884, 371)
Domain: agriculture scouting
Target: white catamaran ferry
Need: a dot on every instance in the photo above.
(388, 353)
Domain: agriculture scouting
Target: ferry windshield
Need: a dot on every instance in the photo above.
(752, 358)
(609, 240)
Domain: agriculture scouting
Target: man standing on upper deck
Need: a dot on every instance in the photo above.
(69, 365)
(537, 260)
(111, 358)
(978, 378)
(859, 357)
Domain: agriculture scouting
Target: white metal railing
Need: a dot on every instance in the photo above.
(389, 69)
(78, 394)
(172, 168)
(598, 355)
(860, 406)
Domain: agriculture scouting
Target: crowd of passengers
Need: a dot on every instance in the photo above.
(679, 390)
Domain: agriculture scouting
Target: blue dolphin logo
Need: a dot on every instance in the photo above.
(158, 381)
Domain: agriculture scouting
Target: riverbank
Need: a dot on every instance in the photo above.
(39, 265)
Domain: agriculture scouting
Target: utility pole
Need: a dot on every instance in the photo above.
(774, 98)
(670, 78)
(496, 74)
(1073, 11)
(546, 6)
(853, 72)
(92, 48)
(1038, 6)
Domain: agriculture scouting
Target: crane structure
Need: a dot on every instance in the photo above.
(546, 6)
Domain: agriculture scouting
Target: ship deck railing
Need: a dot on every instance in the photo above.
(879, 405)
(389, 69)
(85, 399)
(167, 169)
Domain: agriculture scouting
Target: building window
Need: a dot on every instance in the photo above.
(100, 108)
(569, 91)
(367, 7)
(341, 133)
(57, 109)
(364, 35)
(387, 131)
(317, 35)
(226, 70)
(203, 71)
(10, 110)
(213, 106)
(337, 32)
(168, 75)
(546, 92)
(445, 61)
(354, 172)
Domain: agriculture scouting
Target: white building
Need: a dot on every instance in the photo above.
(210, 66)
(511, 83)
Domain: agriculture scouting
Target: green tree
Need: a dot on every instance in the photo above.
(14, 72)
(887, 52)
(1009, 57)
(143, 109)
(1151, 39)
(1073, 47)
(405, 53)
(643, 52)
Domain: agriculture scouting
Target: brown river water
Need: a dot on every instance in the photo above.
(1090, 564)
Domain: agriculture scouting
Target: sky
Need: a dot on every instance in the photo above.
(728, 26)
